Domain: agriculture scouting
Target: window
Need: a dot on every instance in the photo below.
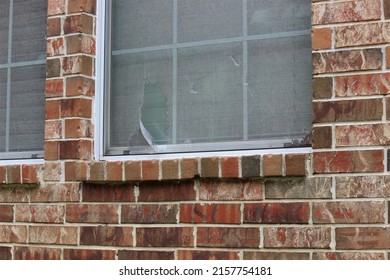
(22, 77)
(206, 75)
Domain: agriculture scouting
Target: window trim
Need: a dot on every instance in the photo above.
(102, 87)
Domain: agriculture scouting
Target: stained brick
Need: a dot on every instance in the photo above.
(40, 213)
(363, 238)
(3, 174)
(76, 6)
(132, 170)
(277, 213)
(53, 68)
(272, 165)
(149, 213)
(295, 164)
(80, 86)
(36, 253)
(79, 64)
(53, 27)
(210, 213)
(170, 169)
(165, 237)
(362, 186)
(80, 43)
(321, 38)
(53, 129)
(308, 237)
(55, 46)
(88, 213)
(97, 170)
(56, 7)
(322, 137)
(13, 234)
(362, 85)
(145, 255)
(86, 254)
(166, 191)
(14, 194)
(76, 107)
(250, 166)
(227, 237)
(30, 173)
(54, 88)
(387, 58)
(75, 171)
(348, 256)
(114, 171)
(76, 149)
(230, 167)
(207, 255)
(58, 235)
(64, 192)
(108, 193)
(322, 88)
(5, 253)
(52, 171)
(78, 24)
(210, 167)
(6, 213)
(52, 109)
(230, 190)
(386, 7)
(276, 256)
(363, 135)
(78, 128)
(189, 168)
(51, 150)
(106, 236)
(150, 170)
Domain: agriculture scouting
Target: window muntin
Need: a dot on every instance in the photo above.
(207, 75)
(22, 78)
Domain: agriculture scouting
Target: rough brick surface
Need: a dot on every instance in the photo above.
(322, 137)
(166, 191)
(272, 165)
(207, 255)
(36, 253)
(230, 190)
(276, 256)
(86, 254)
(145, 255)
(362, 85)
(210, 213)
(60, 192)
(108, 192)
(276, 213)
(6, 213)
(13, 234)
(363, 238)
(106, 236)
(363, 135)
(5, 253)
(149, 213)
(57, 235)
(227, 237)
(321, 38)
(348, 256)
(165, 237)
(362, 186)
(87, 213)
(40, 213)
(322, 88)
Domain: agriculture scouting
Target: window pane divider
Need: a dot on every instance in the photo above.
(8, 106)
(22, 64)
(174, 75)
(245, 70)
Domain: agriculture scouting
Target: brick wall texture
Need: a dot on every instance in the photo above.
(332, 203)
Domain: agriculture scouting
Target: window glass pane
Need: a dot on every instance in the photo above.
(209, 19)
(210, 94)
(4, 11)
(3, 107)
(270, 16)
(141, 23)
(279, 87)
(27, 108)
(28, 32)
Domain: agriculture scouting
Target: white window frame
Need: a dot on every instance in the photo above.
(101, 88)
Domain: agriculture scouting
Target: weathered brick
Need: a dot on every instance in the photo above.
(108, 193)
(227, 237)
(80, 86)
(348, 161)
(114, 171)
(189, 168)
(76, 107)
(78, 24)
(106, 236)
(276, 256)
(166, 191)
(321, 38)
(145, 255)
(30, 173)
(277, 213)
(322, 137)
(53, 129)
(80, 43)
(209, 167)
(310, 188)
(386, 7)
(150, 170)
(295, 164)
(165, 237)
(132, 170)
(52, 171)
(13, 234)
(53, 27)
(230, 190)
(58, 235)
(348, 212)
(53, 68)
(308, 237)
(64, 192)
(54, 88)
(52, 109)
(207, 255)
(230, 167)
(250, 166)
(87, 6)
(210, 213)
(97, 170)
(51, 150)
(86, 254)
(388, 108)
(76, 149)
(55, 46)
(347, 256)
(170, 169)
(362, 186)
(363, 238)
(347, 61)
(3, 174)
(56, 7)
(75, 171)
(149, 213)
(322, 88)
(363, 135)
(40, 213)
(387, 58)
(272, 165)
(5, 253)
(346, 11)
(78, 128)
(36, 253)
(6, 213)
(88, 213)
(14, 194)
(362, 85)
(79, 64)
(14, 175)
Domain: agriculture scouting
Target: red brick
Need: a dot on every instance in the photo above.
(76, 149)
(78, 128)
(207, 255)
(210, 167)
(145, 255)
(358, 238)
(14, 194)
(132, 170)
(308, 237)
(295, 164)
(52, 109)
(14, 175)
(189, 168)
(348, 256)
(3, 174)
(53, 214)
(272, 165)
(230, 167)
(86, 254)
(321, 38)
(30, 173)
(55, 7)
(106, 236)
(362, 186)
(210, 213)
(75, 171)
(347, 61)
(6, 213)
(52, 171)
(87, 6)
(166, 191)
(108, 193)
(59, 235)
(80, 43)
(362, 85)
(276, 256)
(170, 169)
(114, 171)
(363, 135)
(150, 170)
(87, 213)
(97, 170)
(226, 237)
(53, 129)
(36, 253)
(55, 46)
(80, 86)
(54, 88)
(231, 190)
(387, 58)
(165, 237)
(76, 107)
(5, 253)
(79, 24)
(386, 8)
(80, 64)
(277, 213)
(149, 213)
(348, 161)
(51, 150)
(13, 234)
(64, 192)
(53, 27)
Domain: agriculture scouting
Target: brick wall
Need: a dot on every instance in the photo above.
(329, 204)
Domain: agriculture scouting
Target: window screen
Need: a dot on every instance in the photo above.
(22, 77)
(207, 75)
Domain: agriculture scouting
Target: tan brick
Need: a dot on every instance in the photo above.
(321, 38)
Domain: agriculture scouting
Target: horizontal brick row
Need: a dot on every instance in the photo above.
(20, 174)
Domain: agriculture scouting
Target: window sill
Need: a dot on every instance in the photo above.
(25, 174)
